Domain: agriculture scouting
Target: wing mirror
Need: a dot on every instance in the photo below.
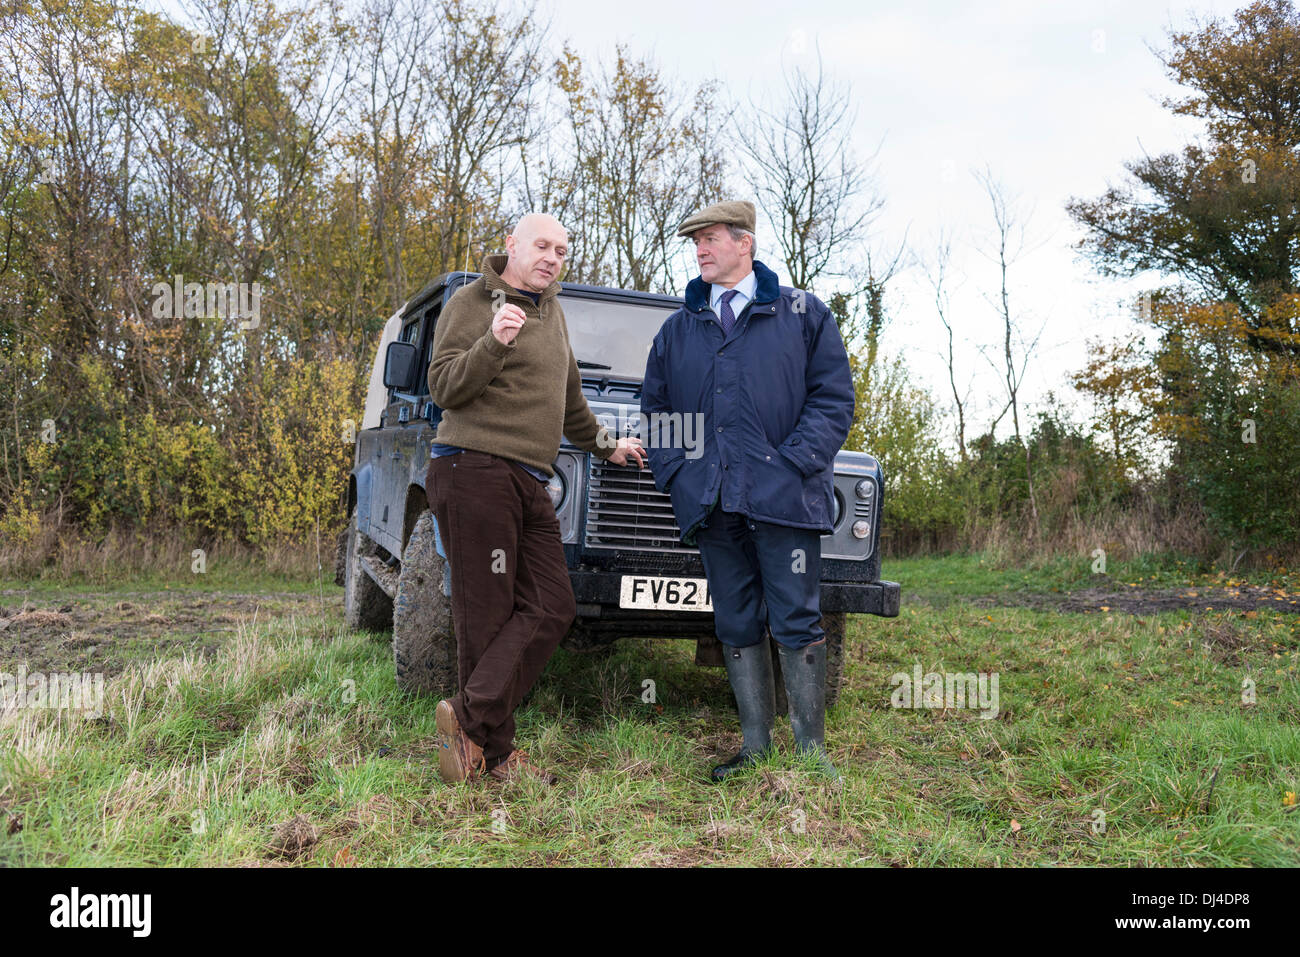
(400, 367)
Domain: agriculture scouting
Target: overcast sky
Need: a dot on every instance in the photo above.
(1053, 97)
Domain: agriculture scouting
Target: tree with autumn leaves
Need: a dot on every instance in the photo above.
(337, 156)
(1218, 223)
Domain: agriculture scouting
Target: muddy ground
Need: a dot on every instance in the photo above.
(1146, 601)
(106, 632)
(72, 632)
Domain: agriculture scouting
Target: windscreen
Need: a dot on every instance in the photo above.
(616, 334)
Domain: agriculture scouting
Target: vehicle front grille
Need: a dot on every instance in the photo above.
(625, 510)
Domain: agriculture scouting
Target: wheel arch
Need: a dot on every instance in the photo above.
(417, 502)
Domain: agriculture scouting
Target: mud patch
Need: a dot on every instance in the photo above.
(1147, 601)
(291, 839)
(104, 632)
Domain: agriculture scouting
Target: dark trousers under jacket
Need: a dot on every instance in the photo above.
(761, 572)
(512, 601)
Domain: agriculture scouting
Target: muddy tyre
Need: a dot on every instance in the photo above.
(424, 641)
(365, 605)
(833, 625)
(341, 557)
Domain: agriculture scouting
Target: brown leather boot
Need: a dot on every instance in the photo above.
(459, 758)
(517, 765)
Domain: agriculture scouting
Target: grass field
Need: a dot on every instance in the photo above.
(244, 725)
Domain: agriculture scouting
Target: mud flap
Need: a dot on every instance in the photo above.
(708, 652)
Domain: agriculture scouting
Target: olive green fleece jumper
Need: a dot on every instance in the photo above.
(514, 401)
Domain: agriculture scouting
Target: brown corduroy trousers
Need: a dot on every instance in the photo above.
(511, 599)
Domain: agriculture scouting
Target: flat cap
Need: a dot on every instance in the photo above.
(735, 213)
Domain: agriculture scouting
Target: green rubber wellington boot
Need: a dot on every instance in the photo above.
(750, 672)
(804, 670)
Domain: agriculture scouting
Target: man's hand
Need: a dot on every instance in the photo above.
(628, 447)
(507, 322)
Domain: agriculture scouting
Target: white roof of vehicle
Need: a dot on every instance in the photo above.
(377, 394)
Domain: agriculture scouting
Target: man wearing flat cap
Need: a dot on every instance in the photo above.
(765, 367)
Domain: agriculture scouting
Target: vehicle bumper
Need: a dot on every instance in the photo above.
(599, 590)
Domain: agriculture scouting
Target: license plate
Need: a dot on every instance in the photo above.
(664, 594)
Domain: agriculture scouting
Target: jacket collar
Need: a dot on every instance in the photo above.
(766, 289)
(491, 270)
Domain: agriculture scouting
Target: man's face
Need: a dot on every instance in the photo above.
(721, 259)
(536, 253)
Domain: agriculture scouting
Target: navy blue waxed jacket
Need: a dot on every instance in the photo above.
(774, 402)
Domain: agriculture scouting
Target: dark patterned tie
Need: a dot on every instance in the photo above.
(725, 314)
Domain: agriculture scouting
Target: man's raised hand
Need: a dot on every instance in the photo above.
(507, 322)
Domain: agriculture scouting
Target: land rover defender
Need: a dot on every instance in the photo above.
(631, 574)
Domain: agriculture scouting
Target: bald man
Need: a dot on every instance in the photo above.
(508, 385)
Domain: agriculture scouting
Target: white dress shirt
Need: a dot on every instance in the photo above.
(746, 289)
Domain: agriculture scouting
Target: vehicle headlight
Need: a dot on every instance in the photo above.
(556, 488)
(838, 508)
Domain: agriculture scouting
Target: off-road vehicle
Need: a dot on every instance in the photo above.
(631, 574)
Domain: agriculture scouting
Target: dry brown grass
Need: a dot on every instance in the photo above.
(59, 551)
(38, 618)
(1143, 526)
(1123, 535)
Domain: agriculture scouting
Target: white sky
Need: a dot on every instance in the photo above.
(1030, 89)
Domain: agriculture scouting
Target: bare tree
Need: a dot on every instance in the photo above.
(1010, 227)
(561, 167)
(427, 153)
(272, 82)
(624, 158)
(398, 116)
(484, 79)
(799, 163)
(938, 273)
(860, 310)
